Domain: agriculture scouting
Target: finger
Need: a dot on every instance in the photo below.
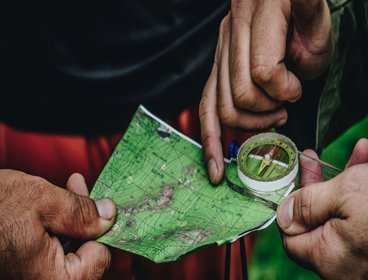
(63, 212)
(359, 154)
(77, 184)
(211, 131)
(229, 114)
(245, 93)
(232, 117)
(312, 19)
(311, 46)
(267, 51)
(310, 170)
(316, 248)
(90, 261)
(300, 247)
(309, 207)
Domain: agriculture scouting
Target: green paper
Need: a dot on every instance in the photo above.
(166, 205)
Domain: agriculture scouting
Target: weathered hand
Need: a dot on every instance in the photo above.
(33, 212)
(264, 49)
(324, 224)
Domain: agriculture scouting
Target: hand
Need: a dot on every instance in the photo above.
(33, 212)
(259, 43)
(324, 224)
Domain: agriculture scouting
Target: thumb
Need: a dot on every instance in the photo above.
(311, 41)
(66, 213)
(307, 12)
(311, 19)
(308, 208)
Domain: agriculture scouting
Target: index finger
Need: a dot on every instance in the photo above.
(210, 129)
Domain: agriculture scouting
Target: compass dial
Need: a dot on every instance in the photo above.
(267, 162)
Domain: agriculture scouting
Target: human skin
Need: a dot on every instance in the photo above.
(265, 48)
(35, 213)
(324, 224)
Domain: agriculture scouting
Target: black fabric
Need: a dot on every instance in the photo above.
(84, 66)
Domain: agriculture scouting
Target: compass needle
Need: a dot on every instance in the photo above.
(267, 162)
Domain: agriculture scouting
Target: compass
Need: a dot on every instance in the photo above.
(267, 162)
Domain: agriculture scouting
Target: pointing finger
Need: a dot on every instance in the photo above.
(210, 130)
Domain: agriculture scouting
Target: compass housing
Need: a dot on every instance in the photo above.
(267, 162)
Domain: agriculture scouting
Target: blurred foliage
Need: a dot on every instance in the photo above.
(269, 260)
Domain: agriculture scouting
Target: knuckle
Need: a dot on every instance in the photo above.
(227, 115)
(262, 123)
(244, 99)
(203, 107)
(36, 186)
(269, 75)
(35, 182)
(262, 74)
(83, 209)
(304, 210)
(286, 92)
(284, 95)
(206, 139)
(102, 263)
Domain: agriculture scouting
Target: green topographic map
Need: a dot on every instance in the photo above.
(166, 205)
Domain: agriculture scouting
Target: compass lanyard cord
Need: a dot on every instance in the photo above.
(243, 256)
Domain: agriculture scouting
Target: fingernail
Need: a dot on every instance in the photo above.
(105, 208)
(212, 170)
(281, 122)
(285, 212)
